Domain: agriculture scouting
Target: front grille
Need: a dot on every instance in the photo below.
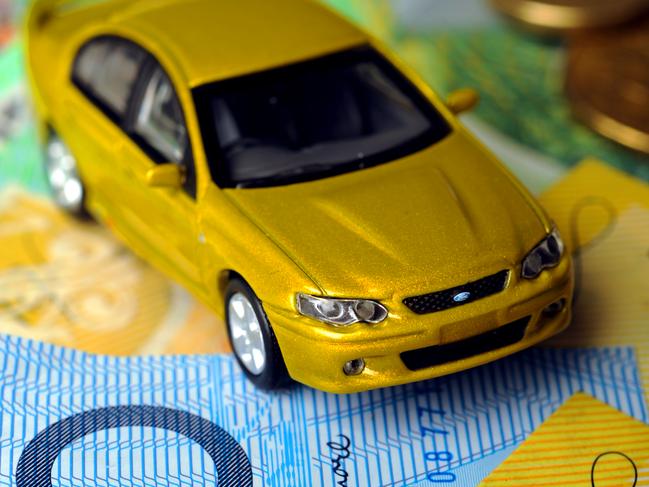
(485, 342)
(441, 300)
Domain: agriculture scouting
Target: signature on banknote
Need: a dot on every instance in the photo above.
(340, 452)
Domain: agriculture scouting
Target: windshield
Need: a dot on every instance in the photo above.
(311, 120)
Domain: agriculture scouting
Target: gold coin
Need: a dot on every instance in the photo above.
(551, 16)
(608, 83)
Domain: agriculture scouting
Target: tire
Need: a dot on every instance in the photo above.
(252, 338)
(66, 186)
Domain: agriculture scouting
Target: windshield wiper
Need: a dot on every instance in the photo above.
(287, 174)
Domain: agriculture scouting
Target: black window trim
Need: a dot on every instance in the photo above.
(126, 124)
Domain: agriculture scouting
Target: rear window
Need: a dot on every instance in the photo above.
(106, 69)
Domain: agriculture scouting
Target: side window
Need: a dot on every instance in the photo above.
(131, 88)
(107, 69)
(159, 119)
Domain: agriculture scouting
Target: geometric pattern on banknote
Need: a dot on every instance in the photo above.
(301, 436)
(604, 218)
(74, 285)
(597, 445)
(128, 457)
(37, 460)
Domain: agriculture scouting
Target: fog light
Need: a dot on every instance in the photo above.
(554, 308)
(354, 367)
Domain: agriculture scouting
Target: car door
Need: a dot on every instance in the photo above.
(160, 222)
(104, 75)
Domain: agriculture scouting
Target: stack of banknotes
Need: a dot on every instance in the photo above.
(111, 375)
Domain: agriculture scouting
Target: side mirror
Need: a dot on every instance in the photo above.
(167, 175)
(462, 100)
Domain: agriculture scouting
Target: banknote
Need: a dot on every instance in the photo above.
(20, 157)
(604, 218)
(74, 284)
(585, 442)
(520, 78)
(73, 419)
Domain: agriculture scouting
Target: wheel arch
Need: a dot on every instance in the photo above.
(223, 278)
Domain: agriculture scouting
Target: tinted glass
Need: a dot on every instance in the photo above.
(312, 120)
(160, 119)
(107, 69)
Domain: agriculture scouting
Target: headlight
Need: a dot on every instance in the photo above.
(546, 254)
(341, 312)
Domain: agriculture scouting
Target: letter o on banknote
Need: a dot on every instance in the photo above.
(35, 464)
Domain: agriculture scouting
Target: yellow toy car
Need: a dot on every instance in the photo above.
(291, 173)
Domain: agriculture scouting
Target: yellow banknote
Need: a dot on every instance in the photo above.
(604, 217)
(74, 285)
(584, 443)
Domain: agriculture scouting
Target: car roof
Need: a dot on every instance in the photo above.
(217, 39)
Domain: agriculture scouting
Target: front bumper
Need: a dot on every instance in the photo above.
(315, 353)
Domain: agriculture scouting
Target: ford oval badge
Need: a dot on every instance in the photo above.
(461, 297)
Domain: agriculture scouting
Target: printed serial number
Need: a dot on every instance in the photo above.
(425, 418)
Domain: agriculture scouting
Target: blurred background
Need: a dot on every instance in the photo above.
(560, 80)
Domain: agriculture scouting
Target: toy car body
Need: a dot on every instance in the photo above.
(293, 175)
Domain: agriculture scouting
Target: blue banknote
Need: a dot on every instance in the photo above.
(73, 419)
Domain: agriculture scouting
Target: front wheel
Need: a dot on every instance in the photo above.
(252, 338)
(63, 178)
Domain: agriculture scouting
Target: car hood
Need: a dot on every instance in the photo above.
(435, 219)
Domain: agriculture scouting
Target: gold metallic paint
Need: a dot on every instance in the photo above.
(433, 220)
